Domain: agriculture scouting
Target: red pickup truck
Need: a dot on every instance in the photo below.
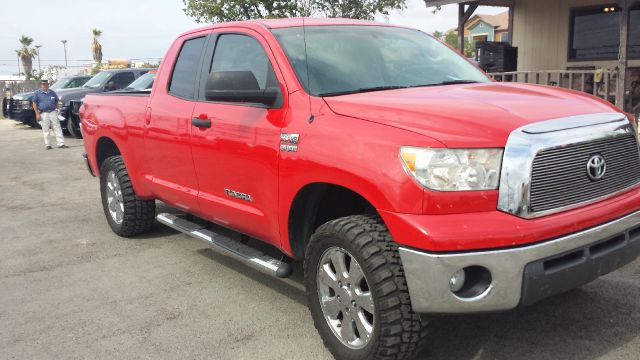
(407, 181)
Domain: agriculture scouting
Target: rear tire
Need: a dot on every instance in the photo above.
(378, 306)
(127, 214)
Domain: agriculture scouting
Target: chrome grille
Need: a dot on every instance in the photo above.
(559, 175)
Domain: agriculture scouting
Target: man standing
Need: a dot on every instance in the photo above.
(45, 105)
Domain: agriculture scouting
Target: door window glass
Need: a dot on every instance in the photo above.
(123, 79)
(243, 53)
(186, 69)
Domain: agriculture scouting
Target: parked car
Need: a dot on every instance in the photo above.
(21, 109)
(107, 80)
(406, 180)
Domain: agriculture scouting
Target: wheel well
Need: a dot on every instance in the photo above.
(105, 149)
(317, 203)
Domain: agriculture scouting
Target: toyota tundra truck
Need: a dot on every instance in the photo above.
(407, 181)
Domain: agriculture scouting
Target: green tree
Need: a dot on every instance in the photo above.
(234, 10)
(27, 54)
(358, 9)
(438, 35)
(451, 38)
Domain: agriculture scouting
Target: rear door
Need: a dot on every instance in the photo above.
(168, 127)
(236, 159)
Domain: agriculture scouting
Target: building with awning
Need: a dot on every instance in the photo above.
(587, 45)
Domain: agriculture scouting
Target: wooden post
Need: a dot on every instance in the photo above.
(622, 53)
(463, 17)
(571, 80)
(510, 31)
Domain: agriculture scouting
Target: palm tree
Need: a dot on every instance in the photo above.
(96, 48)
(26, 55)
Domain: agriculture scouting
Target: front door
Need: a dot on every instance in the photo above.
(236, 159)
(168, 129)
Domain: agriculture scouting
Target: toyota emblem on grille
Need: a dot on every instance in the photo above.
(596, 167)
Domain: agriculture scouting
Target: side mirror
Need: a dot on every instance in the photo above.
(239, 86)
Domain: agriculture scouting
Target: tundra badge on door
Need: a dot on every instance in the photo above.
(289, 142)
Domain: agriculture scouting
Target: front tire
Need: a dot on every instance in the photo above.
(74, 130)
(127, 214)
(357, 292)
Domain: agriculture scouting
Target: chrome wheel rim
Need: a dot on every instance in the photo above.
(345, 298)
(115, 203)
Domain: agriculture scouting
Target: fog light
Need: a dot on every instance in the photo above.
(470, 282)
(457, 281)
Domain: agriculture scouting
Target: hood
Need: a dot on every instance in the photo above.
(24, 96)
(67, 95)
(467, 115)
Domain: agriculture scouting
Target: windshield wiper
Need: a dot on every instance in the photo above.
(363, 90)
(454, 82)
(448, 82)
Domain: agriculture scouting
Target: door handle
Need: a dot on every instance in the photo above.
(205, 123)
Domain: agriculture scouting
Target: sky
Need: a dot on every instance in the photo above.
(136, 29)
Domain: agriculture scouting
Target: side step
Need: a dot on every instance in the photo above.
(226, 246)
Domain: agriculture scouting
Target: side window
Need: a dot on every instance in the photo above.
(123, 79)
(186, 68)
(241, 53)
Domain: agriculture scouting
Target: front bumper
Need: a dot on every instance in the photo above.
(522, 275)
(23, 115)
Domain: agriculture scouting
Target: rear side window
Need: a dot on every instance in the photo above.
(123, 79)
(241, 53)
(186, 68)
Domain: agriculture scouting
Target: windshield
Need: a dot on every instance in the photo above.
(60, 84)
(351, 59)
(142, 83)
(98, 80)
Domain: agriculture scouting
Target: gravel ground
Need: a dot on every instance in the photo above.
(70, 288)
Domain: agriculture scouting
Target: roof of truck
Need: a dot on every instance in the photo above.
(290, 22)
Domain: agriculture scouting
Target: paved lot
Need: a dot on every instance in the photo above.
(69, 288)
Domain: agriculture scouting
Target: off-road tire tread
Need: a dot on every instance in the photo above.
(403, 333)
(139, 215)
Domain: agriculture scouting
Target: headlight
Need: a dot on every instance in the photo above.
(453, 169)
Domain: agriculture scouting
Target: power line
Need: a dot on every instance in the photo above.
(85, 60)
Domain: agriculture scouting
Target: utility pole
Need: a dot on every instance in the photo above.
(64, 43)
(38, 50)
(18, 66)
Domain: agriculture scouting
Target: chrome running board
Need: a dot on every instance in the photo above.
(229, 247)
